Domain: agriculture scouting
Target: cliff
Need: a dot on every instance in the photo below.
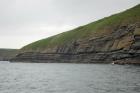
(7, 54)
(112, 39)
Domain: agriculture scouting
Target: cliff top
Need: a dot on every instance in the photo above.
(102, 27)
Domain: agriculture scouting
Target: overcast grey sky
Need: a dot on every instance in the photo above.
(25, 21)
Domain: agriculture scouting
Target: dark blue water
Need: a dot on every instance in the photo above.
(68, 78)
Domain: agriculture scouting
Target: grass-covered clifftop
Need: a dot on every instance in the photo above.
(95, 29)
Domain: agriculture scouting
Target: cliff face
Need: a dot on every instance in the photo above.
(117, 42)
(122, 44)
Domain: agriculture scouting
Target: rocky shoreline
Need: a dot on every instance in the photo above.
(116, 58)
(121, 46)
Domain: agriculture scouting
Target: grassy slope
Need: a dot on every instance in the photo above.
(95, 29)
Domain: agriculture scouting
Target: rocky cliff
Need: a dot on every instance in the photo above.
(112, 39)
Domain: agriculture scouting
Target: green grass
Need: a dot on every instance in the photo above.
(94, 29)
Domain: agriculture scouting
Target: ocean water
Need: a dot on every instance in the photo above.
(68, 78)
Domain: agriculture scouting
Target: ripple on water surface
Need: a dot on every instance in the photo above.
(68, 78)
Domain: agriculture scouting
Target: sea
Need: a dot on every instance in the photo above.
(68, 78)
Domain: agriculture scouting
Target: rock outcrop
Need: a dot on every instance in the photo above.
(122, 45)
(114, 41)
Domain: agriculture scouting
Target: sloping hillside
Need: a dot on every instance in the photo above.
(96, 29)
(110, 39)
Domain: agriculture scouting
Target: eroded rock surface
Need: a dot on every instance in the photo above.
(122, 45)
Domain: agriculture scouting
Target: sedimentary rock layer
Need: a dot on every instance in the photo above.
(120, 46)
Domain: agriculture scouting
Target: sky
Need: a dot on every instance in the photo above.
(25, 21)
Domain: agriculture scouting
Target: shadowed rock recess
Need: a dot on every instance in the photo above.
(112, 39)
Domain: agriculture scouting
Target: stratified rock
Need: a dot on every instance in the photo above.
(117, 42)
(120, 45)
